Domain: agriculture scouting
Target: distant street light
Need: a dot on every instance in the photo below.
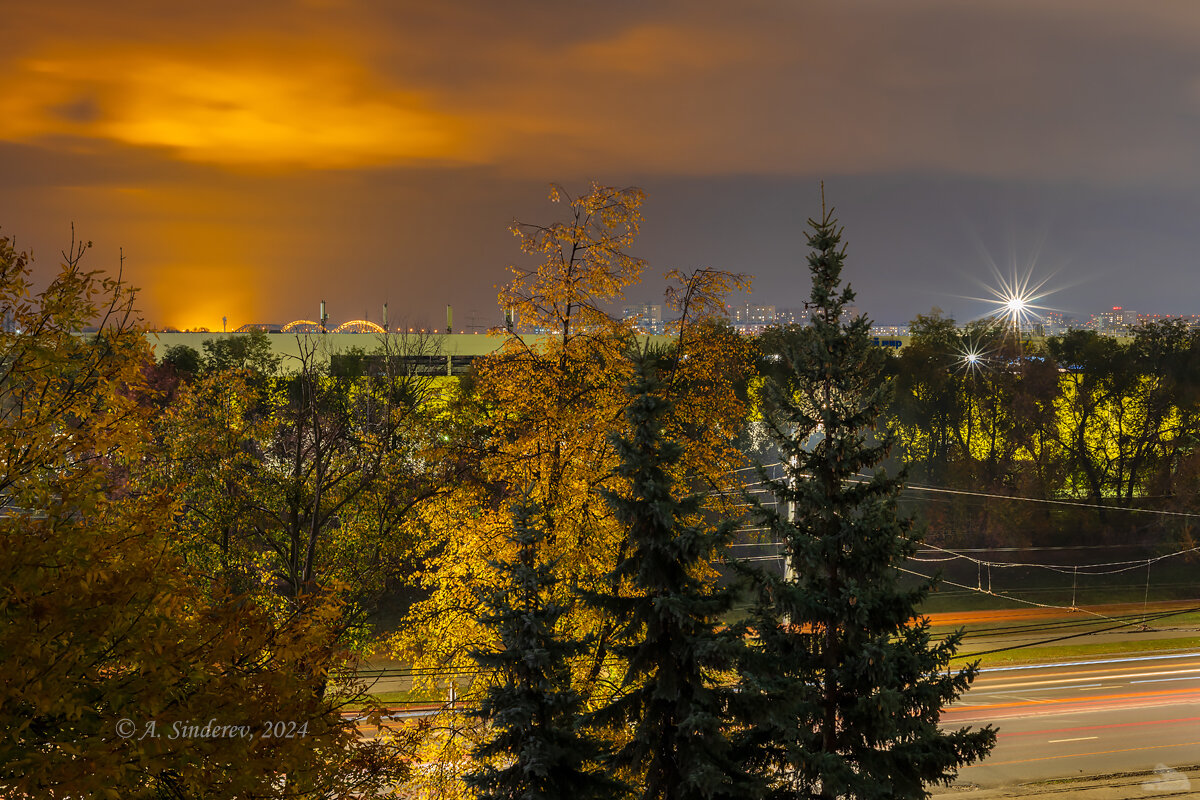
(971, 358)
(1015, 300)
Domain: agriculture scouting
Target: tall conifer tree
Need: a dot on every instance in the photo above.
(536, 750)
(673, 703)
(847, 684)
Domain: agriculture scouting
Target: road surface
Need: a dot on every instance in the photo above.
(1098, 717)
(1084, 718)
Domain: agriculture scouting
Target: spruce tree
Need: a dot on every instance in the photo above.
(536, 749)
(673, 705)
(846, 683)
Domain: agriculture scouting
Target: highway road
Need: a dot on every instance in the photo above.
(1084, 718)
(1096, 717)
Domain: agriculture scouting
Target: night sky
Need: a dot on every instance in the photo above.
(253, 158)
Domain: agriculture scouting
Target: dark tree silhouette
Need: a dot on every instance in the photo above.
(535, 747)
(847, 683)
(674, 706)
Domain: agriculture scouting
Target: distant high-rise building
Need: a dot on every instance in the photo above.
(1115, 320)
(644, 317)
(1054, 323)
(752, 317)
(791, 316)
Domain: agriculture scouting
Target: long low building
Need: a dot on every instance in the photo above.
(435, 354)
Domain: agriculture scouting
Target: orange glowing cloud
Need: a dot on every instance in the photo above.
(692, 88)
(282, 108)
(670, 51)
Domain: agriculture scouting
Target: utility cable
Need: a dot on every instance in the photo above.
(1140, 621)
(1005, 596)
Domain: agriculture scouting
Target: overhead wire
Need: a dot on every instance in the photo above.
(953, 555)
(758, 488)
(1048, 501)
(989, 591)
(989, 495)
(1118, 626)
(1064, 568)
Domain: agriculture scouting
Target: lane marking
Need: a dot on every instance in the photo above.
(1109, 726)
(1044, 688)
(990, 763)
(1078, 674)
(1076, 739)
(1102, 676)
(1164, 680)
(1088, 663)
(1040, 712)
(1053, 700)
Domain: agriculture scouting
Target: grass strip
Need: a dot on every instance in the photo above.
(1072, 652)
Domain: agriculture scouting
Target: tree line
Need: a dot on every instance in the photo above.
(207, 537)
(1110, 422)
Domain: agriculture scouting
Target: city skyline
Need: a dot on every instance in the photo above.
(651, 317)
(253, 159)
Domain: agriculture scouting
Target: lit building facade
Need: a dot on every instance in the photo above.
(644, 317)
(752, 317)
(1118, 319)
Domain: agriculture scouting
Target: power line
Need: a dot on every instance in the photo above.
(1071, 503)
(954, 555)
(1143, 620)
(1053, 547)
(1042, 625)
(1062, 568)
(988, 591)
(988, 495)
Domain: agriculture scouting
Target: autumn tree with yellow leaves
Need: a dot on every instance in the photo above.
(546, 406)
(110, 646)
(303, 482)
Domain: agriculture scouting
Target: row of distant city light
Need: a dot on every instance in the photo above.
(1015, 309)
(1014, 301)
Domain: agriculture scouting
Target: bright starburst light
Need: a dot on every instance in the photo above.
(1016, 300)
(972, 357)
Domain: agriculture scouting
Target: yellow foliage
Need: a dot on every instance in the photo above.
(549, 410)
(108, 639)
